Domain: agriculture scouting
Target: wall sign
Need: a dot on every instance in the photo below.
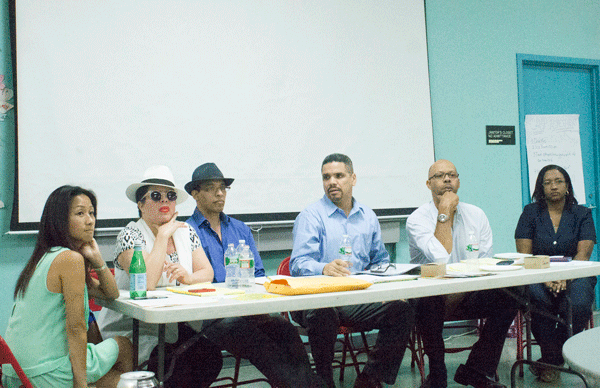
(500, 134)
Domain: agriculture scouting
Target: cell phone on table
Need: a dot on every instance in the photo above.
(505, 262)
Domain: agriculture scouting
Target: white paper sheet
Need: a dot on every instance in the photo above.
(554, 139)
(171, 299)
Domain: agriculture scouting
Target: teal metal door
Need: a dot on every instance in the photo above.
(554, 85)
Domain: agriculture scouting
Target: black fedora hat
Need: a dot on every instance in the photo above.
(206, 172)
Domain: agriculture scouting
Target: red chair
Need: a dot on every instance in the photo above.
(522, 321)
(7, 357)
(347, 344)
(284, 267)
(416, 351)
(94, 335)
(92, 302)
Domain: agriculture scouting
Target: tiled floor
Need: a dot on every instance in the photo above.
(408, 378)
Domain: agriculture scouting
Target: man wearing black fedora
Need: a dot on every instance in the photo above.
(270, 343)
(216, 229)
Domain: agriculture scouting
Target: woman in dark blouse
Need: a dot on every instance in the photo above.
(554, 224)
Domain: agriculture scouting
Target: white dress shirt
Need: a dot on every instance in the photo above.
(426, 248)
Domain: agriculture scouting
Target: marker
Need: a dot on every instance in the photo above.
(203, 290)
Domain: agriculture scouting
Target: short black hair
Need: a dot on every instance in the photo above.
(340, 158)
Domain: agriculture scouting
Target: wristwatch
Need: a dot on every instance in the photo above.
(442, 218)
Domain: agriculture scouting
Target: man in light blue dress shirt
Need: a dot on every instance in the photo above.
(318, 231)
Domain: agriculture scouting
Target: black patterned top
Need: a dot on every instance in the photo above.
(128, 236)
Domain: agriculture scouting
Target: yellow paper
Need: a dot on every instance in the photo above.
(248, 297)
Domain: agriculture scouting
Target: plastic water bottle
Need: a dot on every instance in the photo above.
(240, 248)
(239, 253)
(251, 263)
(472, 261)
(232, 267)
(247, 268)
(137, 273)
(242, 261)
(346, 249)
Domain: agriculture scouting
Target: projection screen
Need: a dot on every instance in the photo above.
(265, 89)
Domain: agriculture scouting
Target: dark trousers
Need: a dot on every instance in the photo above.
(393, 319)
(499, 311)
(552, 335)
(270, 343)
(196, 367)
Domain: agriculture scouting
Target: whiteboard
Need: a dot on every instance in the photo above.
(554, 139)
(264, 89)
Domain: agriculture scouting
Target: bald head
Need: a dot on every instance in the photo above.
(441, 165)
(442, 178)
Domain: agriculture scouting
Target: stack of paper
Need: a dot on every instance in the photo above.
(383, 279)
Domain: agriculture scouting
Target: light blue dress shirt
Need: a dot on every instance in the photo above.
(318, 231)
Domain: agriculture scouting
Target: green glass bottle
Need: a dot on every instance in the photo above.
(137, 273)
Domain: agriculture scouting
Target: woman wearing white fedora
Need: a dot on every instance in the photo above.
(173, 254)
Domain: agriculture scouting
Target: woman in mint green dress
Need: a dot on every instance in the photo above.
(47, 329)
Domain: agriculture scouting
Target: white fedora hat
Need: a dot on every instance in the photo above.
(157, 176)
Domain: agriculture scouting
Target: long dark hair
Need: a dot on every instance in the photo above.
(538, 194)
(54, 229)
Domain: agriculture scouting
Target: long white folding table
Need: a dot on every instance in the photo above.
(230, 306)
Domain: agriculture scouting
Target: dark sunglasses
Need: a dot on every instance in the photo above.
(156, 196)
